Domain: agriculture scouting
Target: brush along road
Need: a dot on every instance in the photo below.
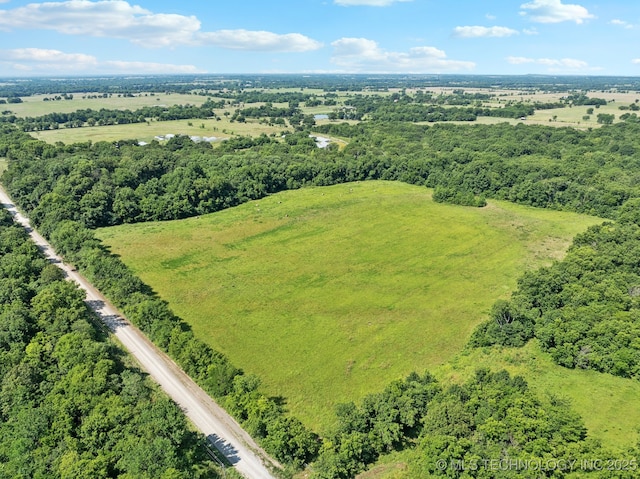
(221, 429)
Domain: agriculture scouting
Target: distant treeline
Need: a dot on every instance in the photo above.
(422, 107)
(419, 107)
(102, 117)
(102, 184)
(205, 84)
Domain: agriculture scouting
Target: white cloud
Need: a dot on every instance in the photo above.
(636, 61)
(367, 3)
(554, 11)
(119, 19)
(45, 60)
(259, 40)
(148, 67)
(621, 23)
(530, 31)
(488, 16)
(40, 55)
(363, 55)
(116, 19)
(553, 64)
(478, 32)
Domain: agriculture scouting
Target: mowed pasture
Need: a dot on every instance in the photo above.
(328, 294)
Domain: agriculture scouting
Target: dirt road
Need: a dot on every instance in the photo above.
(224, 433)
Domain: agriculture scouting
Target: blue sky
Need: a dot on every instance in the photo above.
(83, 37)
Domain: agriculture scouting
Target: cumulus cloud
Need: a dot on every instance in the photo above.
(478, 32)
(553, 64)
(368, 3)
(119, 19)
(40, 55)
(364, 55)
(148, 67)
(116, 19)
(260, 40)
(47, 60)
(554, 11)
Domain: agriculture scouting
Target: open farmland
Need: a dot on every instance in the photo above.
(222, 129)
(329, 293)
(225, 127)
(36, 105)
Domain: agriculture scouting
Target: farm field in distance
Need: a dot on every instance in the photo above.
(327, 294)
(36, 105)
(224, 128)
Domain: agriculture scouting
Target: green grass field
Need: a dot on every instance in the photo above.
(329, 293)
(147, 131)
(36, 106)
(222, 129)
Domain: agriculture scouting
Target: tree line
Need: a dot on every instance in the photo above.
(283, 436)
(595, 172)
(477, 429)
(69, 406)
(585, 309)
(402, 107)
(211, 83)
(103, 116)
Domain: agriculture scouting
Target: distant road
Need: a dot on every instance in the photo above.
(222, 431)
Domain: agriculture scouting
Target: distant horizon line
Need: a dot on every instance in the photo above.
(336, 74)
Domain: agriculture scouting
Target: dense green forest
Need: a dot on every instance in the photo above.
(69, 406)
(594, 172)
(584, 309)
(494, 426)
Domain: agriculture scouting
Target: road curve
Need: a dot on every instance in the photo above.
(222, 431)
